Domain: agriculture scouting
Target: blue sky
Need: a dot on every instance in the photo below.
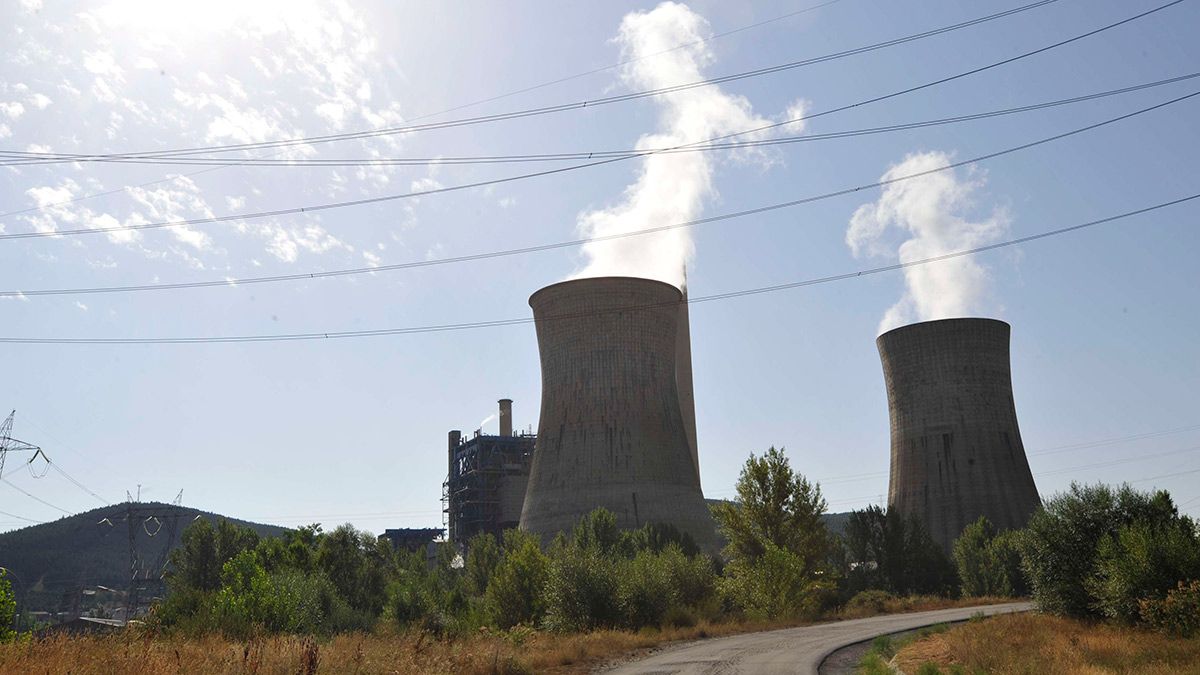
(1105, 327)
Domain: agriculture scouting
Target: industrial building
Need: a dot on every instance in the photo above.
(613, 430)
(485, 484)
(956, 451)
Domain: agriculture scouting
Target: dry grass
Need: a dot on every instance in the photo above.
(520, 651)
(1036, 643)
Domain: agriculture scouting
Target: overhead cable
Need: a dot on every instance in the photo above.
(508, 179)
(231, 282)
(471, 104)
(289, 337)
(577, 105)
(602, 154)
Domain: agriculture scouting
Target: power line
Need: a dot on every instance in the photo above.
(229, 282)
(471, 104)
(600, 154)
(850, 478)
(13, 515)
(1111, 441)
(285, 337)
(577, 105)
(77, 484)
(18, 488)
(574, 167)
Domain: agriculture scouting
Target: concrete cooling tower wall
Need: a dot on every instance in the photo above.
(956, 448)
(611, 433)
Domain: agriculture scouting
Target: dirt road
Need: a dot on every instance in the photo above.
(791, 650)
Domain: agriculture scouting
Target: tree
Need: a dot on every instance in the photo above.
(515, 594)
(483, 555)
(884, 550)
(778, 546)
(777, 507)
(8, 608)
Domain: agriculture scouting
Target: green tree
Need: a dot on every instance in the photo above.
(516, 591)
(8, 608)
(978, 573)
(886, 551)
(775, 506)
(483, 555)
(778, 547)
(203, 552)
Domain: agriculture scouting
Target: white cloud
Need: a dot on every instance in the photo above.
(929, 212)
(286, 243)
(81, 306)
(507, 202)
(12, 109)
(39, 101)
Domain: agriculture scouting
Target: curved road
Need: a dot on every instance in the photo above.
(790, 650)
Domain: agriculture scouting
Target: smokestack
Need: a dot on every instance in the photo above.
(506, 417)
(956, 448)
(453, 439)
(611, 433)
(683, 376)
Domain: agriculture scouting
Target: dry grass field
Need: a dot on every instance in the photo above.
(1036, 643)
(140, 652)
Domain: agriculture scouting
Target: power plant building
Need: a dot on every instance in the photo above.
(613, 431)
(956, 451)
(486, 480)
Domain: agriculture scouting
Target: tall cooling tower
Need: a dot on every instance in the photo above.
(956, 449)
(611, 433)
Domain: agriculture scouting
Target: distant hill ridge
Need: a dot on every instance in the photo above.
(86, 550)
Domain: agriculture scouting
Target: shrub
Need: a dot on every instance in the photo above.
(1177, 614)
(988, 563)
(645, 591)
(868, 602)
(483, 555)
(515, 593)
(581, 590)
(1143, 561)
(777, 585)
(406, 602)
(1059, 547)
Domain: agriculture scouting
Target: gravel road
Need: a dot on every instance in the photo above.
(791, 650)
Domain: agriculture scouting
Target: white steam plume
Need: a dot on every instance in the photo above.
(930, 209)
(670, 188)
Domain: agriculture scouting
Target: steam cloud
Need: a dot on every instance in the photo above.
(670, 188)
(930, 209)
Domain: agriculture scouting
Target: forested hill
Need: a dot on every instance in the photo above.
(92, 548)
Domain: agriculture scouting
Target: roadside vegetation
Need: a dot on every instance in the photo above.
(1114, 573)
(343, 600)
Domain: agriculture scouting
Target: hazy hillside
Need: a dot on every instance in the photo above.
(85, 550)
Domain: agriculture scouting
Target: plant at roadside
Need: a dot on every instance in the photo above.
(1178, 613)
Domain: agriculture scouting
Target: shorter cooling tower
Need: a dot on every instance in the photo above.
(956, 449)
(611, 433)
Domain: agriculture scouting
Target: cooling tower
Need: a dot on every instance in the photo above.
(956, 448)
(611, 433)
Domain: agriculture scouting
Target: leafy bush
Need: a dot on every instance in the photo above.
(515, 592)
(581, 590)
(988, 563)
(1177, 614)
(1060, 545)
(871, 601)
(883, 549)
(645, 591)
(1143, 561)
(776, 585)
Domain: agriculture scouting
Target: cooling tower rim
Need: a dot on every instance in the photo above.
(914, 327)
(584, 281)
